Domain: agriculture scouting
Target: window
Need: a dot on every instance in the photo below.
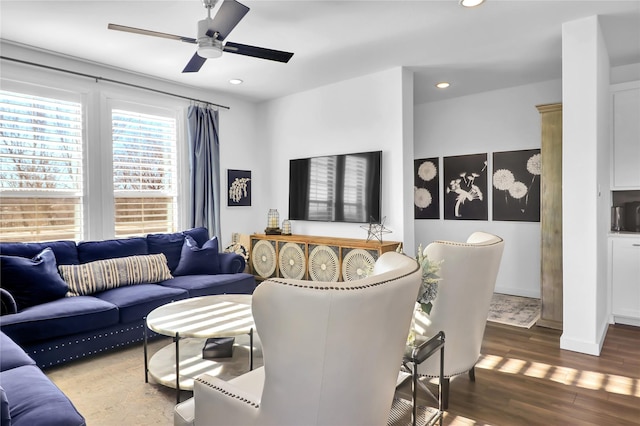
(41, 175)
(144, 172)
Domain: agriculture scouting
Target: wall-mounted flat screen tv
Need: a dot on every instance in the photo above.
(336, 188)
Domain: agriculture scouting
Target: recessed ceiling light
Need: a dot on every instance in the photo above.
(442, 85)
(471, 3)
(235, 81)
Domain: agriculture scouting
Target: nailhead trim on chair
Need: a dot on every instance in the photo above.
(456, 243)
(317, 287)
(227, 393)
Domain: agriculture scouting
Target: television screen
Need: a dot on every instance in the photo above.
(336, 188)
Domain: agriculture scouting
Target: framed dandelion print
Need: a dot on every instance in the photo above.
(239, 187)
(426, 189)
(465, 183)
(516, 185)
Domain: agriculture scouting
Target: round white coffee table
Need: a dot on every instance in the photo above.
(190, 322)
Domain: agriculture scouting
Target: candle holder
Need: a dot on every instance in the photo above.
(273, 218)
(286, 227)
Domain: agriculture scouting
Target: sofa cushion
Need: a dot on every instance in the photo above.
(12, 355)
(32, 281)
(65, 251)
(62, 317)
(34, 400)
(137, 301)
(89, 251)
(205, 285)
(93, 277)
(196, 260)
(168, 244)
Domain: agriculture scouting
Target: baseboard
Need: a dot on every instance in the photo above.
(518, 292)
(589, 348)
(616, 319)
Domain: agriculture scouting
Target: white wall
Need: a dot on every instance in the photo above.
(585, 179)
(361, 114)
(501, 120)
(242, 147)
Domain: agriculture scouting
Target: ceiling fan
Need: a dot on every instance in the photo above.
(211, 34)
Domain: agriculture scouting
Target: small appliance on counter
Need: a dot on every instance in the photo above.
(617, 218)
(632, 216)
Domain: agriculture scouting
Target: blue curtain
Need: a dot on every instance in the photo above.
(204, 155)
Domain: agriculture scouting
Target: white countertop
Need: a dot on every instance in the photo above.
(624, 234)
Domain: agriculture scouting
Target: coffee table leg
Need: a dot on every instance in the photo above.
(177, 367)
(251, 349)
(146, 362)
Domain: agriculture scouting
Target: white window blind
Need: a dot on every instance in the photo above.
(41, 177)
(144, 173)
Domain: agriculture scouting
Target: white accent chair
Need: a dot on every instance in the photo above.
(332, 352)
(461, 307)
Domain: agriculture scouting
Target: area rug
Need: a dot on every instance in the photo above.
(109, 389)
(514, 310)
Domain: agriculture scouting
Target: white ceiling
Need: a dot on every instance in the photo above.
(499, 44)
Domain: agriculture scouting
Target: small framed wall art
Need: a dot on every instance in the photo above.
(426, 188)
(239, 187)
(516, 185)
(465, 178)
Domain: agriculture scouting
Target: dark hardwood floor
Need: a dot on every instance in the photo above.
(524, 378)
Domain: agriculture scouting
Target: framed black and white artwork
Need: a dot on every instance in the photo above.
(465, 182)
(516, 185)
(239, 187)
(426, 188)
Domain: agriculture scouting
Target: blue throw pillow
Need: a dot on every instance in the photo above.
(32, 281)
(195, 260)
(200, 235)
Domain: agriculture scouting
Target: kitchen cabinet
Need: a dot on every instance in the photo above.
(625, 279)
(625, 147)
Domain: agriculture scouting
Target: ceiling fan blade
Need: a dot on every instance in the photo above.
(195, 63)
(257, 52)
(227, 17)
(150, 33)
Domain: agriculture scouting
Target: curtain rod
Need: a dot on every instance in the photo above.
(97, 78)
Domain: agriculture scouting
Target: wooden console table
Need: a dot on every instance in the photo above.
(314, 258)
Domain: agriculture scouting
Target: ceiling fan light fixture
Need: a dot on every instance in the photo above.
(209, 47)
(209, 52)
(471, 3)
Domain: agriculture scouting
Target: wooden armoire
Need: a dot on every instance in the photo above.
(551, 216)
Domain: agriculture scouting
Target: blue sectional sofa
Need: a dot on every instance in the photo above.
(58, 320)
(27, 396)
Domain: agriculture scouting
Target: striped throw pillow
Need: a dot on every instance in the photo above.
(93, 277)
